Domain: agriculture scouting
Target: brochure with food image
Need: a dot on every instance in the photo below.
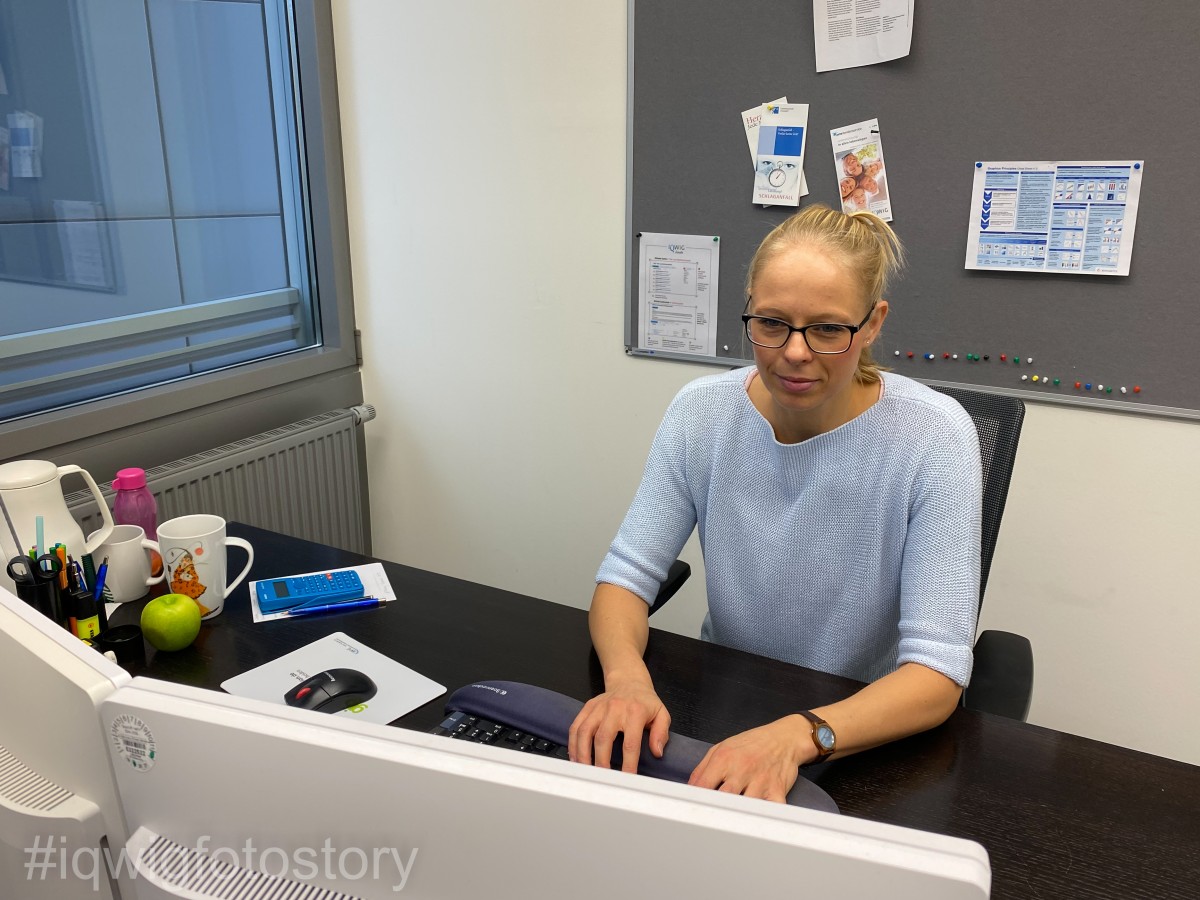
(780, 160)
(862, 178)
(341, 676)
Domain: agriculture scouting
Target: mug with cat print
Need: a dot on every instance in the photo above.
(195, 552)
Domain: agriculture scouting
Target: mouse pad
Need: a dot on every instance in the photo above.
(397, 689)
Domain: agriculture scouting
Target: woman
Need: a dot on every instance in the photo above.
(838, 508)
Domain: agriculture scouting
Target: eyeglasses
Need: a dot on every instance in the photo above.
(821, 337)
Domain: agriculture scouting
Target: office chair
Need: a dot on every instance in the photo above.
(1002, 678)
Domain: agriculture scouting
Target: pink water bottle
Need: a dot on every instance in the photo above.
(135, 505)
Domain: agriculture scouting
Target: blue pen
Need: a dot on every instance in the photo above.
(360, 603)
(101, 573)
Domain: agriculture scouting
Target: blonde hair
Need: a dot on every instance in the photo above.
(863, 242)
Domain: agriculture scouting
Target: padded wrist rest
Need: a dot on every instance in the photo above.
(549, 714)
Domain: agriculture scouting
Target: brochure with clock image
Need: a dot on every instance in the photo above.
(780, 159)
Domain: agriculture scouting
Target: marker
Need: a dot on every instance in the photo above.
(85, 615)
(360, 603)
(60, 550)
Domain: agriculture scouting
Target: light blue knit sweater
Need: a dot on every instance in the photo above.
(851, 553)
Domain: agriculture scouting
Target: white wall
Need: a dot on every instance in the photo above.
(485, 165)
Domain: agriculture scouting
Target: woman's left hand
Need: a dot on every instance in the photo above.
(762, 762)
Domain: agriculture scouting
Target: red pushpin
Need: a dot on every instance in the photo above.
(1079, 384)
(945, 356)
(910, 354)
(1003, 357)
(1136, 389)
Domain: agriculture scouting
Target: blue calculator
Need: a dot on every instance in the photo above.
(279, 594)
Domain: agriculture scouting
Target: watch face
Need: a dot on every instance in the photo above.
(825, 736)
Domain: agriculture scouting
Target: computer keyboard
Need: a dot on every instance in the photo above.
(465, 727)
(535, 720)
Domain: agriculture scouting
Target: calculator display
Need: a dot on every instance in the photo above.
(281, 589)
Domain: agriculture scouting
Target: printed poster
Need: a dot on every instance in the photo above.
(852, 33)
(677, 293)
(1072, 218)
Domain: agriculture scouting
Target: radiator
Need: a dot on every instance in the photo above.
(303, 480)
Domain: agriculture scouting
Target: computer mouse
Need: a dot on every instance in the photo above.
(332, 691)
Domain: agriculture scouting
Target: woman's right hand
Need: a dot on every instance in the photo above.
(627, 708)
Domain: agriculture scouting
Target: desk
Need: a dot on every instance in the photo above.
(1061, 816)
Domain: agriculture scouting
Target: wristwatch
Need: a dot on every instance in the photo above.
(822, 735)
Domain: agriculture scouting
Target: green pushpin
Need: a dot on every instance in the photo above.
(1056, 382)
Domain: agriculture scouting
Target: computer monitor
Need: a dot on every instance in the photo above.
(58, 805)
(217, 788)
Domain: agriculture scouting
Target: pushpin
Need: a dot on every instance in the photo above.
(1030, 360)
(945, 356)
(1035, 378)
(1057, 382)
(985, 357)
(1109, 391)
(910, 354)
(1003, 357)
(1026, 377)
(1078, 385)
(929, 356)
(1016, 360)
(1123, 390)
(1088, 386)
(1099, 387)
(1136, 389)
(897, 353)
(954, 356)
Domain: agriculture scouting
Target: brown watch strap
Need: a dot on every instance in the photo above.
(816, 722)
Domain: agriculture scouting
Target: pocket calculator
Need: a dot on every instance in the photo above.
(278, 594)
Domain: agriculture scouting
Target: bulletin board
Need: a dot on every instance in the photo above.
(1013, 81)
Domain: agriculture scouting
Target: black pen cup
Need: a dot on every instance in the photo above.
(44, 597)
(125, 642)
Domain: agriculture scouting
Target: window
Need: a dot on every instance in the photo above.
(168, 221)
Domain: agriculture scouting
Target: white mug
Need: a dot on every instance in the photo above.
(128, 574)
(194, 552)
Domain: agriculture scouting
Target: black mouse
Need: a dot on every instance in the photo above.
(332, 691)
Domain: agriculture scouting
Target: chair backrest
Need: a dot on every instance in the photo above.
(998, 420)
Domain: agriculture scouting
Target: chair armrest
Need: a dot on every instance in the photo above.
(1002, 679)
(676, 576)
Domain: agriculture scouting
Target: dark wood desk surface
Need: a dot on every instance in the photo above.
(1060, 816)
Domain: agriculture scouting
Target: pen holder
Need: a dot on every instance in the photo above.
(44, 597)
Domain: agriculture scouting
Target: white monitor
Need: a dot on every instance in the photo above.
(218, 788)
(58, 803)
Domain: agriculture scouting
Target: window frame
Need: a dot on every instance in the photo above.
(329, 243)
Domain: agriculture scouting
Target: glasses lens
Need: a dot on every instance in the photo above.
(825, 338)
(768, 332)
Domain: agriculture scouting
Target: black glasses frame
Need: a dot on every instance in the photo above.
(803, 329)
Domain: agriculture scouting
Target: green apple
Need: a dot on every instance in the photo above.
(171, 622)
